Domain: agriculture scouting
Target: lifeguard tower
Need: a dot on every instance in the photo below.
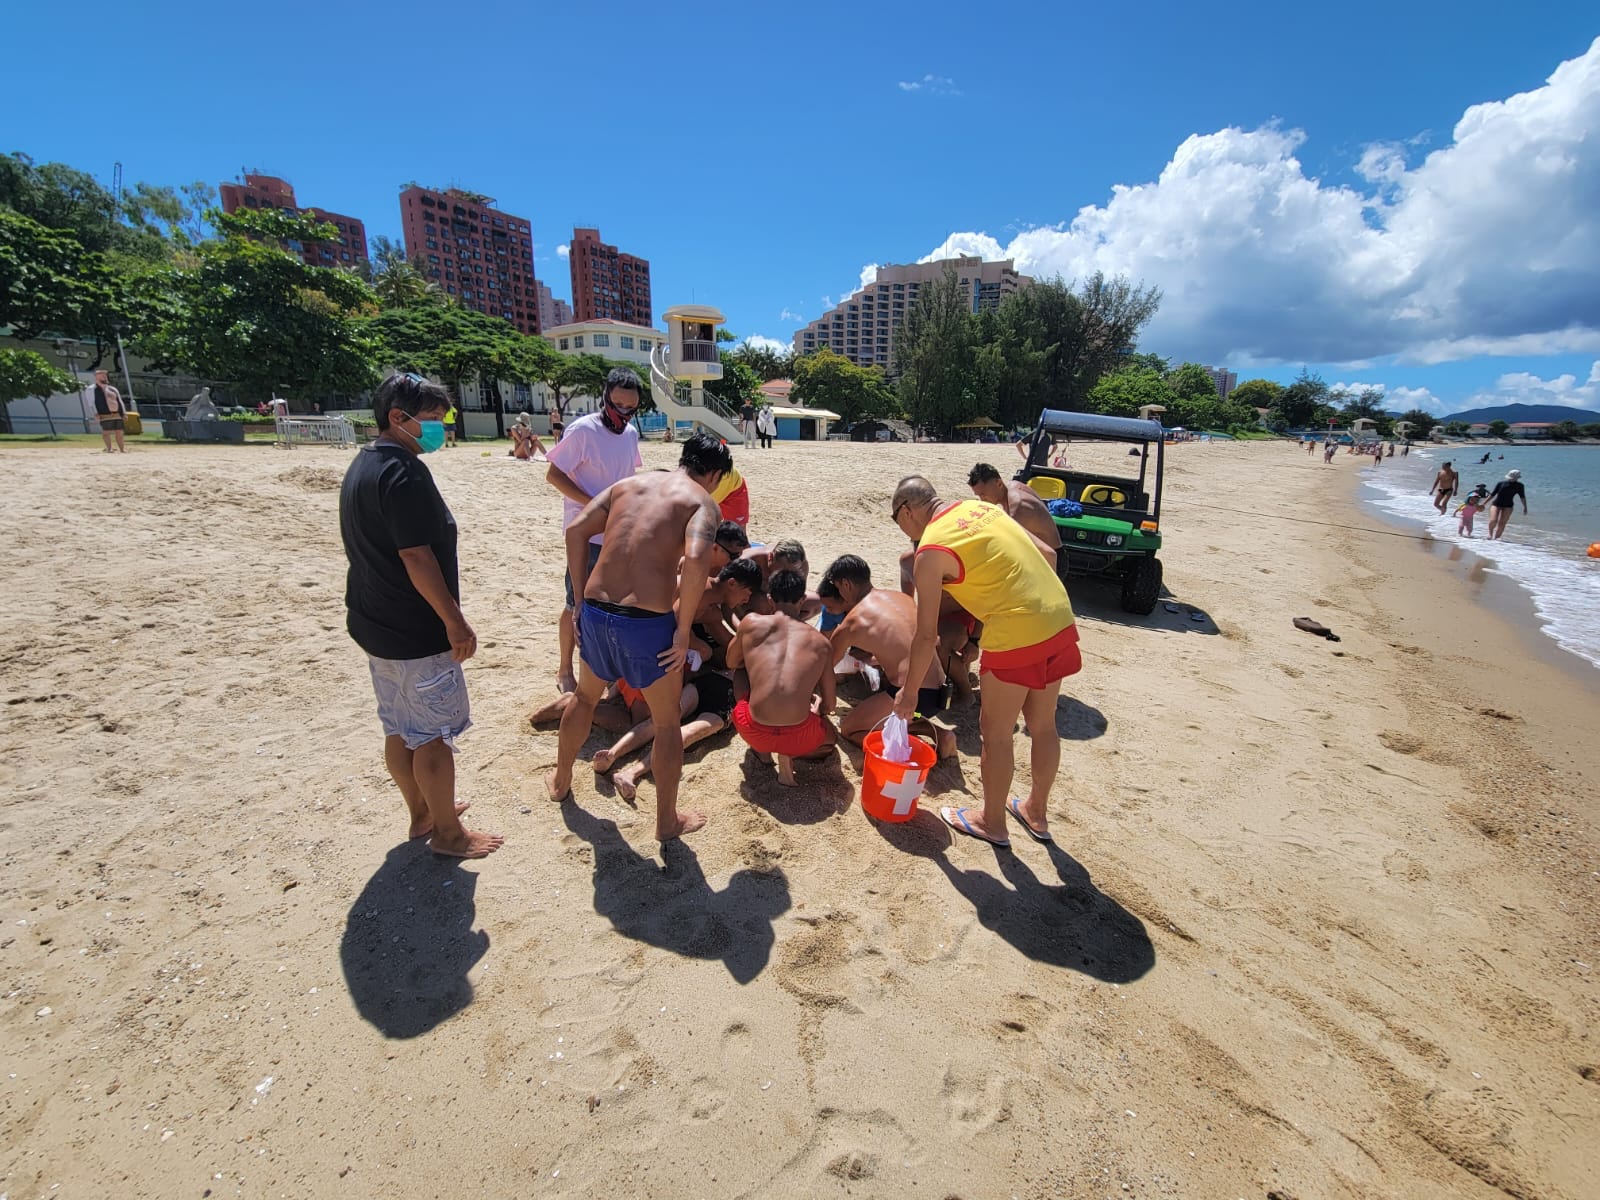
(680, 367)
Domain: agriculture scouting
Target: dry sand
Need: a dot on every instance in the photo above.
(1322, 921)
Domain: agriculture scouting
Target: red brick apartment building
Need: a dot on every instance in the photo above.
(607, 285)
(257, 191)
(478, 254)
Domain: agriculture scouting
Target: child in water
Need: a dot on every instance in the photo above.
(1471, 507)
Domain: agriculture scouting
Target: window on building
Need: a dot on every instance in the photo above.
(645, 343)
(577, 342)
(624, 342)
(602, 339)
(562, 344)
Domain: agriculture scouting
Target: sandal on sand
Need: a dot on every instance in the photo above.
(1038, 835)
(1316, 627)
(960, 815)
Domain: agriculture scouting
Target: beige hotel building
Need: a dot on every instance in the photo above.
(862, 327)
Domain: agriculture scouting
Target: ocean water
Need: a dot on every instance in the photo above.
(1545, 553)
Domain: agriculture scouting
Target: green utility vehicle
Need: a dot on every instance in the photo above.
(1111, 522)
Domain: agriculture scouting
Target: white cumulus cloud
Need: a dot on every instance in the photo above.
(1488, 245)
(934, 85)
(787, 315)
(561, 250)
(757, 342)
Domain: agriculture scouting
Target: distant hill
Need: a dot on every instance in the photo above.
(1512, 413)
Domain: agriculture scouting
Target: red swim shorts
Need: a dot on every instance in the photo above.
(1038, 665)
(791, 741)
(735, 505)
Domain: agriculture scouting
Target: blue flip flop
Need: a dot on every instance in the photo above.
(961, 816)
(1015, 806)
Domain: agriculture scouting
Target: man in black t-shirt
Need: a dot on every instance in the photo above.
(1506, 493)
(747, 421)
(402, 600)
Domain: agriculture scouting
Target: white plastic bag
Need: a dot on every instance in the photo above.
(896, 740)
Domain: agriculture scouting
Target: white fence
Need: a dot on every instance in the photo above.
(313, 431)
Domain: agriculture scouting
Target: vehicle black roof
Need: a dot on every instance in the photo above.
(1055, 420)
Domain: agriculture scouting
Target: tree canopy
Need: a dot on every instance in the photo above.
(831, 381)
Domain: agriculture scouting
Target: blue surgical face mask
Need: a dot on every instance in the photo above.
(430, 435)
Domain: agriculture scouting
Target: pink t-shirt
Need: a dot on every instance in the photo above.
(594, 458)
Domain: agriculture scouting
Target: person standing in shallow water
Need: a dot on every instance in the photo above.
(1505, 494)
(1444, 486)
(403, 607)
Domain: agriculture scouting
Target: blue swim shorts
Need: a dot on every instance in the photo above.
(619, 642)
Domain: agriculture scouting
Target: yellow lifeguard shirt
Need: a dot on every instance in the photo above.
(732, 481)
(1004, 581)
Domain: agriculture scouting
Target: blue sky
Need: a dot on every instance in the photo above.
(1391, 194)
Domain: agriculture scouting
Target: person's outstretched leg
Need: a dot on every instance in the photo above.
(697, 730)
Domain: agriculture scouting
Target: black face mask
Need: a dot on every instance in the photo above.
(616, 419)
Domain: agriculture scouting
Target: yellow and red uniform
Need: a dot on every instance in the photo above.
(733, 497)
(1030, 636)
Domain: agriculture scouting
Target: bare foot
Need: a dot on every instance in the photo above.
(563, 794)
(424, 827)
(686, 822)
(602, 761)
(786, 772)
(627, 782)
(468, 845)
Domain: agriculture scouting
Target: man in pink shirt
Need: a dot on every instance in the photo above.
(597, 450)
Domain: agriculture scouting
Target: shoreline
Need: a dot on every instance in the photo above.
(1481, 583)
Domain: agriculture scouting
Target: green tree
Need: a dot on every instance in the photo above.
(1456, 428)
(1301, 403)
(253, 314)
(1123, 393)
(1591, 430)
(945, 378)
(1564, 431)
(767, 363)
(1020, 383)
(1499, 428)
(456, 344)
(24, 373)
(1258, 393)
(828, 380)
(1421, 422)
(60, 197)
(49, 283)
(1366, 404)
(1195, 403)
(396, 280)
(1081, 333)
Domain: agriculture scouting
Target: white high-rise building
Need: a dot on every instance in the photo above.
(1225, 380)
(862, 327)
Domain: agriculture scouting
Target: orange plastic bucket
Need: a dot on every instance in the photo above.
(889, 790)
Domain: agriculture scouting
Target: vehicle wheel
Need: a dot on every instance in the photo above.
(1141, 587)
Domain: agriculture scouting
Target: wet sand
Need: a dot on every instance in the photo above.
(1321, 920)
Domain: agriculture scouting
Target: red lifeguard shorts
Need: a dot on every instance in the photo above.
(1038, 665)
(791, 741)
(735, 505)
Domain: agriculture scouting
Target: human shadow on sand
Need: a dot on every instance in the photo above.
(672, 907)
(1072, 924)
(823, 791)
(409, 942)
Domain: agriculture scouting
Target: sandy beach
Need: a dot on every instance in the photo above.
(1321, 920)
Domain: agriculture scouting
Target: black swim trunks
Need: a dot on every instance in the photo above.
(716, 694)
(929, 700)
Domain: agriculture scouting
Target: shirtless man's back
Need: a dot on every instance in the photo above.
(787, 661)
(1021, 503)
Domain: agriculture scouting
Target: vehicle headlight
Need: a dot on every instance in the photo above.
(1113, 539)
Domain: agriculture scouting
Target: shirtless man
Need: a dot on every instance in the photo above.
(714, 619)
(882, 623)
(1444, 486)
(788, 663)
(627, 628)
(1021, 502)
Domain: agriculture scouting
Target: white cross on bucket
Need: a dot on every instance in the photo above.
(905, 790)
